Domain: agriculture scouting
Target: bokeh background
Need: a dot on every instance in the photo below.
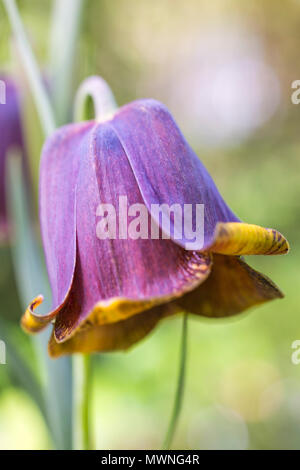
(225, 70)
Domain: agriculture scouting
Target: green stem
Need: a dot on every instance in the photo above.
(180, 387)
(94, 89)
(30, 65)
(82, 379)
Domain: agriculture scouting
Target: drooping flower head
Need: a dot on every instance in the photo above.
(110, 291)
(11, 137)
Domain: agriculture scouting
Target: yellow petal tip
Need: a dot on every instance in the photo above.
(31, 322)
(237, 238)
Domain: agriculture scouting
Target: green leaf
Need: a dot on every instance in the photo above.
(30, 65)
(63, 46)
(20, 369)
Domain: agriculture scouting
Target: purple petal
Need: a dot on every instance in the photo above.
(165, 167)
(142, 270)
(60, 164)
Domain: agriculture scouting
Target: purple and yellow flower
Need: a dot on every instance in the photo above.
(11, 137)
(110, 293)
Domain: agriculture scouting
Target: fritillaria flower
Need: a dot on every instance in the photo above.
(11, 137)
(109, 293)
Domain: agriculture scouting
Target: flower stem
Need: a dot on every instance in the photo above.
(30, 65)
(180, 387)
(82, 381)
(97, 90)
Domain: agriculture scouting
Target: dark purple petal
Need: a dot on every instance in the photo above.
(164, 165)
(60, 164)
(142, 272)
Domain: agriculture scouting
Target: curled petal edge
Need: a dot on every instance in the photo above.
(108, 311)
(33, 323)
(116, 309)
(121, 335)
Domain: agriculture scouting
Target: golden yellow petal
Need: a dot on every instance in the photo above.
(234, 238)
(33, 323)
(92, 337)
(232, 287)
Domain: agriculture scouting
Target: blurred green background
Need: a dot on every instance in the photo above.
(225, 70)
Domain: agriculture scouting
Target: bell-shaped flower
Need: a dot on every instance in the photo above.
(116, 270)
